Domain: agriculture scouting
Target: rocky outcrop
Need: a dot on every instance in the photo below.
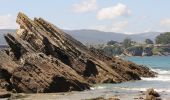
(134, 51)
(4, 94)
(147, 51)
(151, 94)
(138, 51)
(42, 58)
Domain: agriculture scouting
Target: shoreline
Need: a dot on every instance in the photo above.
(97, 92)
(89, 95)
(52, 61)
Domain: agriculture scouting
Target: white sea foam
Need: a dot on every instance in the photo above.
(163, 75)
(97, 87)
(158, 78)
(162, 72)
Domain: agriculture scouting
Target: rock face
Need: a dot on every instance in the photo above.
(42, 58)
(134, 51)
(138, 51)
(147, 52)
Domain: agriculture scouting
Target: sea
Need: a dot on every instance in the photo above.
(159, 64)
(161, 83)
(133, 90)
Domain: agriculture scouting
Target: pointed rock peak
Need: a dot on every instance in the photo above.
(24, 21)
(21, 16)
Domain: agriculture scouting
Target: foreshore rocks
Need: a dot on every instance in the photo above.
(43, 59)
(151, 94)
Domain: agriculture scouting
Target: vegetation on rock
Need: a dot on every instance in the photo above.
(131, 48)
(163, 38)
(127, 43)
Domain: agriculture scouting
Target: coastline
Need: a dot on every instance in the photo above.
(44, 59)
(121, 94)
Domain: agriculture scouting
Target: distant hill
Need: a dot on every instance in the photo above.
(143, 36)
(95, 36)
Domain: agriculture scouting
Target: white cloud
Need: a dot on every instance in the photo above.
(7, 22)
(113, 12)
(115, 27)
(165, 22)
(85, 6)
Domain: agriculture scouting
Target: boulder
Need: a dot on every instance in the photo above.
(151, 94)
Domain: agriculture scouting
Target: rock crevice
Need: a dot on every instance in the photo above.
(42, 58)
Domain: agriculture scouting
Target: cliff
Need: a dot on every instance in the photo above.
(138, 51)
(42, 58)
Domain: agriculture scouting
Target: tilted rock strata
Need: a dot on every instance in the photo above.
(42, 58)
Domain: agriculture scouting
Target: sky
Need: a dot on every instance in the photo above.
(121, 16)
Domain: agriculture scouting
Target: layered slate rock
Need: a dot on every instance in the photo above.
(43, 58)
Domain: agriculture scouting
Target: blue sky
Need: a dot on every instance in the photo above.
(124, 16)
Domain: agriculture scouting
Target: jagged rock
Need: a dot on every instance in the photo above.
(7, 67)
(4, 94)
(151, 94)
(43, 58)
(38, 74)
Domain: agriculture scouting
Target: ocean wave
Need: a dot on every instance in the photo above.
(163, 75)
(158, 78)
(161, 71)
